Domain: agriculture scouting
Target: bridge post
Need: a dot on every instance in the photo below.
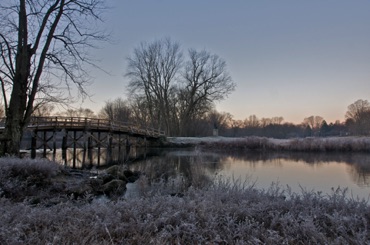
(74, 148)
(84, 148)
(128, 147)
(89, 149)
(119, 148)
(109, 147)
(64, 146)
(45, 144)
(33, 144)
(54, 144)
(99, 148)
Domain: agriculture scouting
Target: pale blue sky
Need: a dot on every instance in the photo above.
(289, 58)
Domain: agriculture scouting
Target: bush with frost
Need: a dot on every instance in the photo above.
(20, 178)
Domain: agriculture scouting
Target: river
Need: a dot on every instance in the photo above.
(316, 172)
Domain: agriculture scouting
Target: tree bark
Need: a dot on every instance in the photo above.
(18, 100)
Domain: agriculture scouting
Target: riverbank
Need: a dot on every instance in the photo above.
(221, 212)
(311, 144)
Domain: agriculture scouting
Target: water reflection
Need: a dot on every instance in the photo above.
(318, 172)
(312, 171)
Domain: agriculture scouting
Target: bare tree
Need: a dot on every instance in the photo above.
(206, 81)
(43, 110)
(140, 111)
(219, 120)
(356, 109)
(39, 41)
(176, 102)
(80, 112)
(265, 122)
(358, 117)
(117, 110)
(252, 122)
(277, 120)
(152, 70)
(314, 122)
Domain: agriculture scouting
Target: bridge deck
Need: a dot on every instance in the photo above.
(91, 124)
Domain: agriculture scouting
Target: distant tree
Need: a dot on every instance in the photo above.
(236, 127)
(277, 120)
(313, 121)
(357, 109)
(324, 129)
(152, 70)
(358, 117)
(252, 122)
(42, 42)
(140, 111)
(43, 110)
(206, 80)
(268, 121)
(308, 131)
(116, 110)
(265, 121)
(219, 120)
(80, 112)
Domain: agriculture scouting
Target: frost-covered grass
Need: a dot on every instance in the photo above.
(224, 212)
(312, 144)
(20, 179)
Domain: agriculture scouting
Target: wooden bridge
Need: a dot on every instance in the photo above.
(92, 124)
(85, 136)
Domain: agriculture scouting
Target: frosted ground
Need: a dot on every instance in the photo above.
(221, 212)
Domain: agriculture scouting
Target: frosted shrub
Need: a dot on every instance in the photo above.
(226, 212)
(11, 167)
(20, 178)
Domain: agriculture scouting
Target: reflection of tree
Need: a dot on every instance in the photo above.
(359, 169)
(193, 166)
(191, 169)
(361, 178)
(359, 163)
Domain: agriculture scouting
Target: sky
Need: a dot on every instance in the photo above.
(288, 58)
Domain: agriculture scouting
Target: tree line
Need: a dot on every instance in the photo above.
(357, 121)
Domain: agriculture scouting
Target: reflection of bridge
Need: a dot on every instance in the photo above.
(88, 134)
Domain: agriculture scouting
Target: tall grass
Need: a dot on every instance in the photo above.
(20, 179)
(333, 144)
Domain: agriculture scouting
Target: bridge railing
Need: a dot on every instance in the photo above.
(91, 123)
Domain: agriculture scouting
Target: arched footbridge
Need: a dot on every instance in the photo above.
(80, 135)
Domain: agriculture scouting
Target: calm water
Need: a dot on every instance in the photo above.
(311, 171)
(317, 172)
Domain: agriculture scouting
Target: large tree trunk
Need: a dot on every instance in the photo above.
(15, 114)
(15, 120)
(13, 136)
